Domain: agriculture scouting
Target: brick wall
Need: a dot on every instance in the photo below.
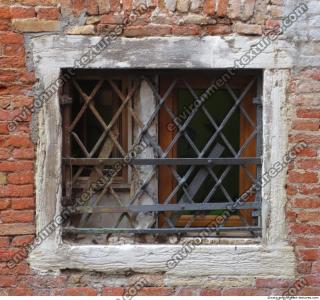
(20, 18)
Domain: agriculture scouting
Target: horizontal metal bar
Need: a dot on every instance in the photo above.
(163, 207)
(165, 161)
(156, 230)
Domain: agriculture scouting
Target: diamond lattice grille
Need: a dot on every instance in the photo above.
(172, 163)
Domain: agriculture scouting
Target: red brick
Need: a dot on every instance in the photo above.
(19, 241)
(209, 7)
(112, 19)
(114, 5)
(315, 267)
(4, 12)
(7, 254)
(8, 280)
(92, 7)
(19, 269)
(246, 292)
(309, 139)
(291, 189)
(16, 165)
(304, 267)
(272, 283)
(309, 190)
(308, 126)
(187, 292)
(79, 291)
(311, 73)
(27, 77)
(78, 6)
(4, 128)
(218, 29)
(5, 24)
(17, 216)
(248, 29)
(272, 24)
(186, 30)
(309, 242)
(21, 292)
(309, 254)
(113, 291)
(22, 101)
(16, 229)
(11, 190)
(210, 292)
(7, 76)
(305, 100)
(48, 13)
(23, 153)
(156, 291)
(4, 116)
(291, 216)
(14, 89)
(17, 141)
(11, 38)
(150, 30)
(13, 50)
(310, 164)
(222, 8)
(39, 282)
(12, 62)
(4, 203)
(310, 291)
(22, 203)
(308, 86)
(21, 177)
(4, 153)
(127, 4)
(305, 229)
(306, 203)
(22, 12)
(306, 177)
(4, 243)
(308, 113)
(312, 280)
(305, 216)
(43, 292)
(307, 152)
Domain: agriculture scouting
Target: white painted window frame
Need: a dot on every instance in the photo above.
(269, 256)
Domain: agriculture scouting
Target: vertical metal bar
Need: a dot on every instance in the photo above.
(67, 115)
(259, 143)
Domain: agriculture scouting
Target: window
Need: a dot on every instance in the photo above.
(197, 160)
(269, 255)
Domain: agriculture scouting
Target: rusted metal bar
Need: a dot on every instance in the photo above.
(162, 207)
(157, 230)
(67, 114)
(165, 161)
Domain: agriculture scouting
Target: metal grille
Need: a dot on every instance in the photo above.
(157, 190)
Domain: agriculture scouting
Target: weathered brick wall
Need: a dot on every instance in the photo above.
(19, 18)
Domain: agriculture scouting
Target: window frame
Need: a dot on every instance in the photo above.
(270, 256)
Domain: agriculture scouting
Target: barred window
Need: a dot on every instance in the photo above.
(149, 154)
